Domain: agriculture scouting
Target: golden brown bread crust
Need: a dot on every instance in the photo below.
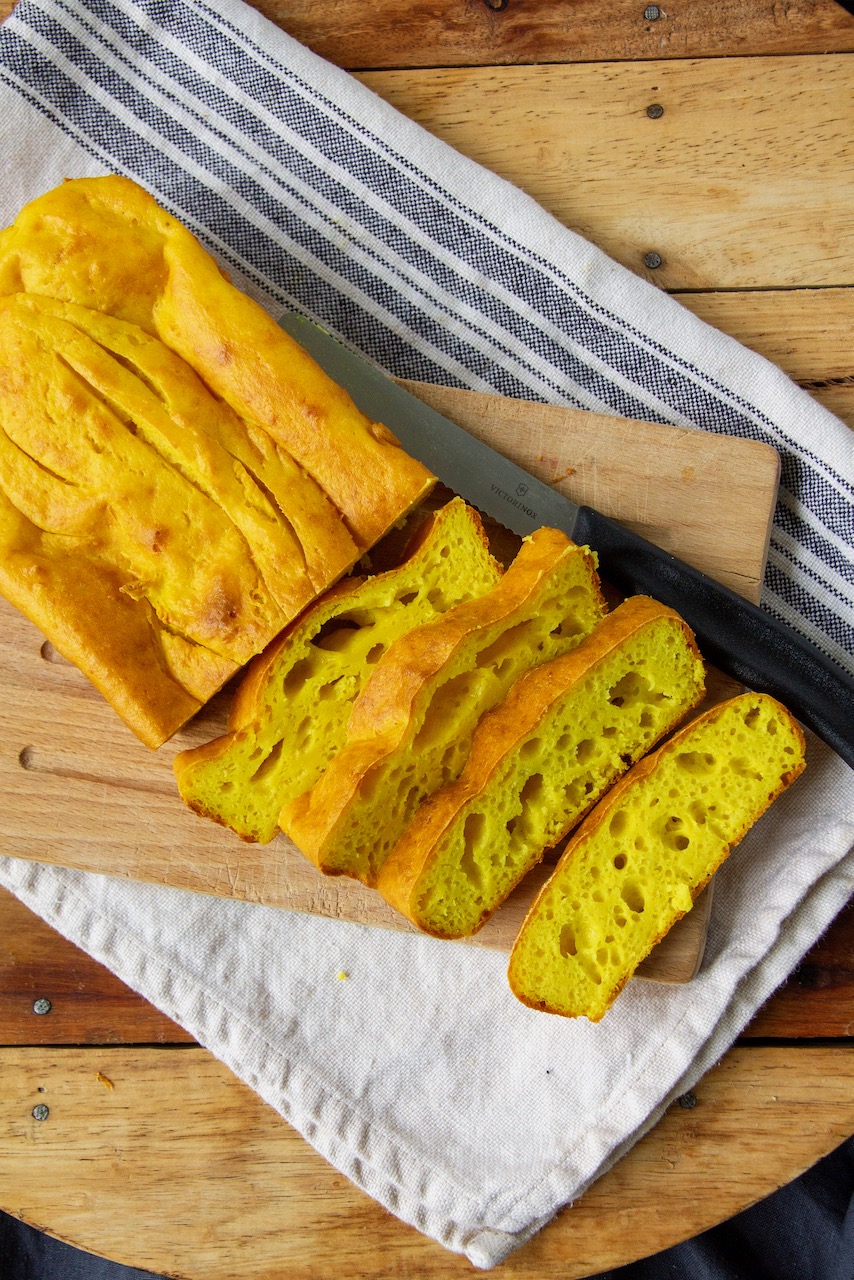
(106, 244)
(497, 736)
(46, 584)
(162, 434)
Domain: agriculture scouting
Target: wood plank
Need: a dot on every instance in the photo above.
(165, 1161)
(91, 1006)
(806, 332)
(88, 1003)
(818, 998)
(480, 32)
(447, 33)
(685, 186)
(66, 757)
(838, 399)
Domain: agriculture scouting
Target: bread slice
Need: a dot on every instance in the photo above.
(538, 762)
(411, 727)
(289, 715)
(178, 479)
(640, 858)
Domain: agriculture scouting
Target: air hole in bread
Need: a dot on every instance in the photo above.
(618, 823)
(445, 701)
(696, 762)
(374, 654)
(746, 770)
(327, 690)
(620, 861)
(299, 673)
(629, 688)
(568, 944)
(407, 597)
(508, 644)
(473, 831)
(336, 634)
(269, 762)
(532, 788)
(593, 973)
(633, 896)
(369, 783)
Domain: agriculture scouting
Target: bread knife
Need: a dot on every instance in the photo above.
(733, 634)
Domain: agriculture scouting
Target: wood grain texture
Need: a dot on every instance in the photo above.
(398, 33)
(806, 332)
(106, 803)
(165, 1161)
(685, 185)
(818, 998)
(91, 1006)
(88, 1003)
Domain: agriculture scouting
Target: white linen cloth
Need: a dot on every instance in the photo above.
(420, 1077)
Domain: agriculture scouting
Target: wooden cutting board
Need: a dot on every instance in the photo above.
(78, 790)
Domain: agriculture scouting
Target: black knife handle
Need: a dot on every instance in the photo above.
(733, 634)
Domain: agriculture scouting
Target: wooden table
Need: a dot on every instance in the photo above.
(740, 180)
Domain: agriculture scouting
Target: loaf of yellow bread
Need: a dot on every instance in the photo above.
(640, 858)
(178, 479)
(538, 762)
(411, 726)
(289, 715)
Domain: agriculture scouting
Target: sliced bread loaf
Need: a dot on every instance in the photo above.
(538, 762)
(411, 727)
(178, 478)
(289, 715)
(643, 854)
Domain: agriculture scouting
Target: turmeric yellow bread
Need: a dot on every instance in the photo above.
(289, 715)
(411, 726)
(177, 478)
(538, 762)
(640, 858)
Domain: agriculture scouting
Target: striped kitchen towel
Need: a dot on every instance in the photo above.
(416, 1076)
